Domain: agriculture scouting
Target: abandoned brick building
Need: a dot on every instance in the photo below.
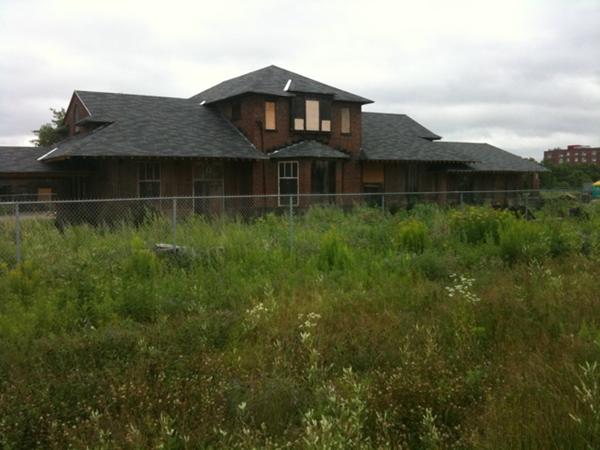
(270, 131)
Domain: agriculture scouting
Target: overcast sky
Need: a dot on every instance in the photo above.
(522, 75)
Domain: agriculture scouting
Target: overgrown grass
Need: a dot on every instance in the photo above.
(423, 330)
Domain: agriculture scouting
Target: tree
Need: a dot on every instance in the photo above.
(569, 176)
(51, 133)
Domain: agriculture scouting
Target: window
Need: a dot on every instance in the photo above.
(270, 116)
(345, 120)
(322, 179)
(312, 115)
(288, 182)
(236, 111)
(325, 113)
(208, 182)
(149, 180)
(44, 194)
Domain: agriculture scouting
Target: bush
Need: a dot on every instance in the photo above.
(563, 239)
(411, 236)
(334, 254)
(474, 225)
(520, 240)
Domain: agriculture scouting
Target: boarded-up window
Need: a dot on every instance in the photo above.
(298, 113)
(312, 115)
(325, 113)
(44, 194)
(373, 173)
(149, 180)
(270, 120)
(345, 120)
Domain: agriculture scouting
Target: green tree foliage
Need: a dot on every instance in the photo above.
(53, 132)
(569, 176)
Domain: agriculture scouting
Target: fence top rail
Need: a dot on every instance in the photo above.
(275, 196)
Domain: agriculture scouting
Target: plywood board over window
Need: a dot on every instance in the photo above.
(44, 194)
(270, 116)
(345, 120)
(373, 173)
(312, 115)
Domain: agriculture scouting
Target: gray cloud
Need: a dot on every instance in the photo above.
(523, 75)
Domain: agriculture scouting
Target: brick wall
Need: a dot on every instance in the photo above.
(573, 155)
(251, 124)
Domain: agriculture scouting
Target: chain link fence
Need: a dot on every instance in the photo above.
(23, 222)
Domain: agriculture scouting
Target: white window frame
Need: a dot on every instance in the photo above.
(279, 178)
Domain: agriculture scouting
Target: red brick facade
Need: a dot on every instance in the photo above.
(573, 154)
(252, 120)
(118, 177)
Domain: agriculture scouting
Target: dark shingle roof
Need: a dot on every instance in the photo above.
(146, 126)
(24, 159)
(272, 80)
(382, 123)
(397, 137)
(308, 149)
(489, 158)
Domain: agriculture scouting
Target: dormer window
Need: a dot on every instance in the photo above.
(270, 116)
(311, 115)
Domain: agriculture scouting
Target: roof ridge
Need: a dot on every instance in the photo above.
(131, 95)
(28, 147)
(386, 113)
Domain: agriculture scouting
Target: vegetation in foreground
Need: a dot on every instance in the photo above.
(422, 330)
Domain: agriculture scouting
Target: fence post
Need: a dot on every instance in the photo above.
(383, 204)
(17, 233)
(526, 199)
(174, 220)
(291, 218)
(461, 200)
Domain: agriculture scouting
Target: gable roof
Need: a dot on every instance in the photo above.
(273, 80)
(148, 126)
(382, 123)
(397, 137)
(308, 149)
(489, 158)
(25, 159)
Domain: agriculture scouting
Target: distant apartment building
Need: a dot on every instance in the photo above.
(573, 154)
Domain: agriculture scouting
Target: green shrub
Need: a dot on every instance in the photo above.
(411, 236)
(563, 238)
(520, 240)
(474, 225)
(433, 265)
(334, 253)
